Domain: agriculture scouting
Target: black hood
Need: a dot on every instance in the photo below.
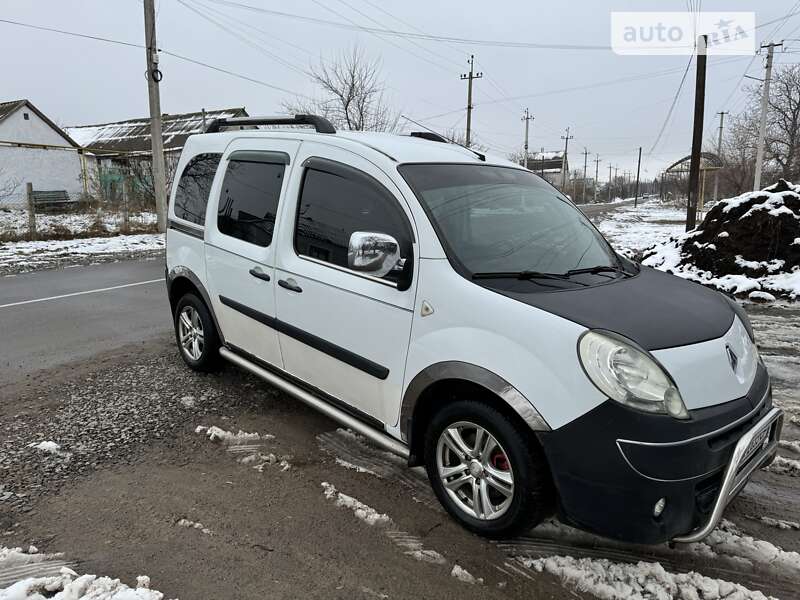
(652, 308)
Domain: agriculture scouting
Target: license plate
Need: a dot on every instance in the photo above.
(759, 441)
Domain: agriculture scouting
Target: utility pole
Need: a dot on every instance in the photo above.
(585, 162)
(719, 152)
(762, 126)
(697, 134)
(470, 77)
(153, 77)
(596, 175)
(609, 181)
(566, 139)
(638, 171)
(527, 117)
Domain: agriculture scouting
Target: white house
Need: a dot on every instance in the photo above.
(36, 150)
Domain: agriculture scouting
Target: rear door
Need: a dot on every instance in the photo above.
(343, 332)
(240, 248)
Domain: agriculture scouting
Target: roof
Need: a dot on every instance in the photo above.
(392, 147)
(133, 135)
(9, 108)
(548, 164)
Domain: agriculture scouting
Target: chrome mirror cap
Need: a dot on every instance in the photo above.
(372, 253)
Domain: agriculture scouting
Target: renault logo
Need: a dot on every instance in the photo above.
(732, 358)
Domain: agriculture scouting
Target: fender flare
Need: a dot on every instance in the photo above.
(474, 374)
(185, 272)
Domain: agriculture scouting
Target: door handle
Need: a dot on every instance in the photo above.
(290, 284)
(256, 272)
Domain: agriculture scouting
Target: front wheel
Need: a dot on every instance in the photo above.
(486, 471)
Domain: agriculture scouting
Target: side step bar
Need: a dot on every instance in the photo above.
(378, 437)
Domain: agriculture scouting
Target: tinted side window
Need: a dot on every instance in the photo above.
(194, 186)
(249, 201)
(333, 206)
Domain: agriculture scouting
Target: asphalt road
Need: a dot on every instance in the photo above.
(50, 317)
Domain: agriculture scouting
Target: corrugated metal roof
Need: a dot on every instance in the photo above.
(6, 108)
(133, 135)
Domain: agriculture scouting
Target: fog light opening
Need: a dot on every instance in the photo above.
(659, 506)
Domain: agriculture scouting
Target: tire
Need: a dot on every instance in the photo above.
(522, 505)
(196, 335)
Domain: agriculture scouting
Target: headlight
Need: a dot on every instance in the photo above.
(629, 375)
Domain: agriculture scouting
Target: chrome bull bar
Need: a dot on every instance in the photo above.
(751, 451)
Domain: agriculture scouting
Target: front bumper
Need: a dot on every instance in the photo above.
(609, 481)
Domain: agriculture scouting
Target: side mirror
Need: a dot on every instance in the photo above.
(372, 253)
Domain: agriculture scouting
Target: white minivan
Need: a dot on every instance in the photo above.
(458, 310)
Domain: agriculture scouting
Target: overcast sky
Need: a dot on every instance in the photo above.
(80, 81)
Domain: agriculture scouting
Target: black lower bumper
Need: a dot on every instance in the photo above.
(613, 464)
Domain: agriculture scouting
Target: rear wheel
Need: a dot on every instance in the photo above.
(486, 471)
(196, 335)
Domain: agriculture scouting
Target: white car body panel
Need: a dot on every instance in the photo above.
(534, 351)
(703, 372)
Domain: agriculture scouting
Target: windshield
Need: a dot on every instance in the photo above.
(499, 219)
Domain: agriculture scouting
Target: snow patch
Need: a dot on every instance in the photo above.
(465, 576)
(194, 525)
(610, 581)
(366, 513)
(780, 523)
(728, 540)
(50, 447)
(785, 466)
(67, 584)
(791, 446)
(356, 468)
(761, 296)
(217, 434)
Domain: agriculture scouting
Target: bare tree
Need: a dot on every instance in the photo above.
(783, 121)
(352, 94)
(8, 187)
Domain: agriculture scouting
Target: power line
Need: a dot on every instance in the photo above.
(672, 106)
(409, 34)
(175, 55)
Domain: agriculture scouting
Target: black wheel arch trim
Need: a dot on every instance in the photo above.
(475, 374)
(175, 273)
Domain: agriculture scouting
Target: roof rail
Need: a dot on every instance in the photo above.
(321, 124)
(429, 135)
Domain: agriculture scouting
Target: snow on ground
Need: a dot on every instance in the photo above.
(65, 584)
(632, 229)
(644, 580)
(14, 222)
(465, 576)
(780, 523)
(728, 541)
(248, 446)
(366, 513)
(194, 525)
(17, 257)
(785, 466)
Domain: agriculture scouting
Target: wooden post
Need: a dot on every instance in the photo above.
(124, 227)
(31, 211)
(697, 134)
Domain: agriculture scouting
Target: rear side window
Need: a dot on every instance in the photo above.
(194, 186)
(248, 202)
(333, 205)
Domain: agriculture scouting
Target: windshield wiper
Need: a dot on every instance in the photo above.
(598, 269)
(524, 275)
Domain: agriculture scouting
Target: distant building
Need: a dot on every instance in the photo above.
(33, 149)
(549, 165)
(123, 148)
(132, 137)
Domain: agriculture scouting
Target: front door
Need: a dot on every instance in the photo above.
(240, 246)
(343, 332)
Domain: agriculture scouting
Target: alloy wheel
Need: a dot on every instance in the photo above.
(475, 470)
(190, 332)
